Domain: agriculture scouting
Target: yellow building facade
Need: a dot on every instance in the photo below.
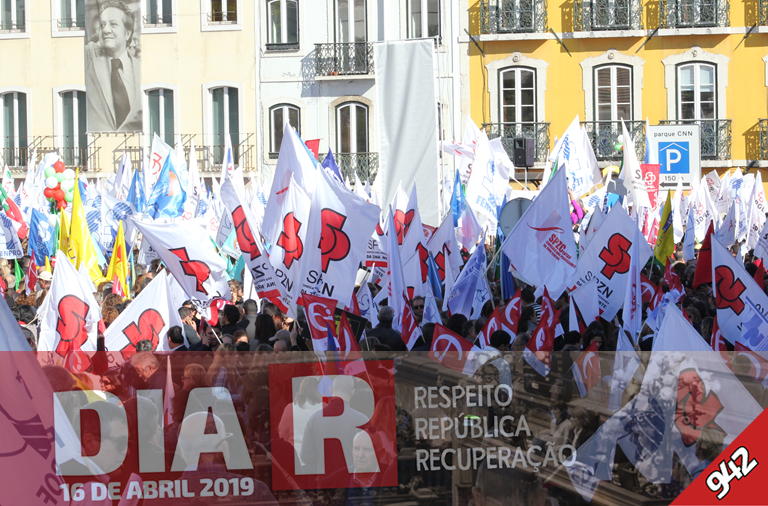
(535, 65)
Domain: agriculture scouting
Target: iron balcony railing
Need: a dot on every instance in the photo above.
(607, 15)
(210, 149)
(508, 131)
(714, 136)
(513, 16)
(14, 151)
(694, 13)
(763, 131)
(344, 59)
(76, 151)
(159, 19)
(366, 165)
(77, 23)
(222, 17)
(9, 26)
(762, 11)
(604, 135)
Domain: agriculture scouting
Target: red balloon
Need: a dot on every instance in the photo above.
(62, 205)
(48, 192)
(59, 166)
(58, 195)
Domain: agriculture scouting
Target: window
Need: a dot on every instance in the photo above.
(696, 98)
(12, 15)
(225, 109)
(423, 18)
(74, 144)
(518, 92)
(352, 128)
(13, 129)
(282, 22)
(278, 116)
(613, 93)
(72, 14)
(223, 11)
(159, 12)
(350, 21)
(160, 107)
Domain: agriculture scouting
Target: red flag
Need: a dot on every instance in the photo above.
(320, 311)
(586, 369)
(76, 360)
(314, 146)
(510, 315)
(759, 369)
(704, 266)
(451, 350)
(656, 299)
(538, 352)
(492, 325)
(117, 286)
(347, 341)
(760, 273)
(410, 331)
(718, 343)
(31, 275)
(671, 279)
(647, 288)
(16, 215)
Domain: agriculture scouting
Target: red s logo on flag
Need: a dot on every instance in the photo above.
(193, 268)
(244, 234)
(149, 326)
(729, 290)
(695, 411)
(71, 324)
(616, 256)
(423, 257)
(289, 240)
(334, 243)
(402, 224)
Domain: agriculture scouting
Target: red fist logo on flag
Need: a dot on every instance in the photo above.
(149, 326)
(244, 234)
(695, 411)
(71, 324)
(193, 268)
(729, 290)
(616, 256)
(289, 240)
(334, 242)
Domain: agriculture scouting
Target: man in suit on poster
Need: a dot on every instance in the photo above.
(113, 72)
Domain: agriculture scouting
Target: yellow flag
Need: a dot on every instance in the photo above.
(80, 240)
(64, 243)
(118, 264)
(48, 265)
(665, 242)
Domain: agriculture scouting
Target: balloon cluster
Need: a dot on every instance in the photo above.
(59, 185)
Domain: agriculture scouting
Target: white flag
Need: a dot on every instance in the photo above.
(541, 247)
(481, 193)
(625, 364)
(149, 317)
(679, 212)
(10, 244)
(689, 242)
(633, 299)
(414, 251)
(396, 283)
(633, 174)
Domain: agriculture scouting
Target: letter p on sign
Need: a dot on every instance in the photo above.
(674, 157)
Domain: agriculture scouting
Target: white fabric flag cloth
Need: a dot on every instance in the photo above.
(541, 247)
(368, 308)
(192, 260)
(464, 293)
(726, 234)
(160, 151)
(69, 316)
(481, 193)
(290, 249)
(632, 312)
(607, 260)
(444, 248)
(149, 317)
(409, 151)
(469, 229)
(414, 251)
(10, 245)
(340, 225)
(689, 240)
(577, 158)
(625, 363)
(713, 186)
(293, 161)
(679, 212)
(395, 281)
(741, 304)
(633, 175)
(194, 187)
(761, 248)
(700, 374)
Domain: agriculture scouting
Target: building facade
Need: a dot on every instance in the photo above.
(212, 68)
(534, 66)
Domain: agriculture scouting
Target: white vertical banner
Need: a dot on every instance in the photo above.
(408, 154)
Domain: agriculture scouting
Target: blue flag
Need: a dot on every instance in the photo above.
(433, 276)
(457, 200)
(329, 162)
(136, 193)
(41, 237)
(168, 196)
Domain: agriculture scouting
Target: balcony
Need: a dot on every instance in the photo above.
(14, 152)
(763, 136)
(508, 131)
(76, 151)
(218, 17)
(762, 12)
(366, 165)
(513, 16)
(65, 24)
(153, 20)
(604, 135)
(694, 13)
(715, 136)
(344, 59)
(597, 15)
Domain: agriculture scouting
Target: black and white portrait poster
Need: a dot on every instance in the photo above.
(113, 66)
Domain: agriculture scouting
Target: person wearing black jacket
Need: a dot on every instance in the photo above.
(384, 331)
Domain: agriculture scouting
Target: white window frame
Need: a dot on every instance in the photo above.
(517, 59)
(424, 19)
(56, 15)
(266, 123)
(58, 116)
(208, 133)
(613, 69)
(612, 57)
(351, 20)
(162, 27)
(25, 34)
(332, 129)
(353, 122)
(285, 106)
(17, 90)
(697, 66)
(283, 22)
(696, 54)
(220, 26)
(176, 115)
(518, 93)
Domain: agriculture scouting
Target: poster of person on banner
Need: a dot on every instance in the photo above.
(113, 66)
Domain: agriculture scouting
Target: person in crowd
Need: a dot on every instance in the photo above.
(112, 382)
(148, 369)
(195, 376)
(264, 331)
(384, 331)
(228, 319)
(297, 414)
(187, 318)
(417, 305)
(248, 323)
(527, 298)
(456, 323)
(223, 374)
(176, 338)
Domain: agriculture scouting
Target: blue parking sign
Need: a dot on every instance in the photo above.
(674, 157)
